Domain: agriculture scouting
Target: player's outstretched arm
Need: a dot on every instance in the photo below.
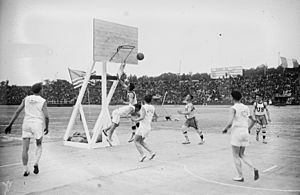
(123, 84)
(14, 117)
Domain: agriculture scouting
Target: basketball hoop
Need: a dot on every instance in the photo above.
(125, 47)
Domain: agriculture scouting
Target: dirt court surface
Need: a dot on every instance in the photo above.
(177, 168)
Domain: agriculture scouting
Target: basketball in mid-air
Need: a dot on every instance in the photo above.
(140, 56)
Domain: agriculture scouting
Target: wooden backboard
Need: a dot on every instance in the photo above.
(111, 37)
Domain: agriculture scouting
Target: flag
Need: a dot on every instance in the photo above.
(295, 63)
(286, 63)
(77, 77)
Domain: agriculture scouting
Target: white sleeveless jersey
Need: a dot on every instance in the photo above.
(259, 108)
(190, 107)
(125, 110)
(146, 122)
(242, 114)
(134, 100)
(33, 109)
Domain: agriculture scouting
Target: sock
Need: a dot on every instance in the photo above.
(133, 128)
(25, 168)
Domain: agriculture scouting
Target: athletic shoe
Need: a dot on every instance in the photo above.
(152, 156)
(202, 142)
(239, 179)
(35, 169)
(142, 158)
(26, 173)
(256, 175)
(186, 142)
(132, 138)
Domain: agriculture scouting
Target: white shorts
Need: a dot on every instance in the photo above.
(239, 136)
(33, 130)
(115, 117)
(143, 130)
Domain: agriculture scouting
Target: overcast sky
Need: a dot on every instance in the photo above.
(41, 39)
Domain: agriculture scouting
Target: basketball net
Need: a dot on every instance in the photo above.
(123, 47)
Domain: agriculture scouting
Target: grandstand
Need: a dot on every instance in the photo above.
(278, 85)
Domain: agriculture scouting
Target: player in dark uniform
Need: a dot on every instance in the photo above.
(191, 120)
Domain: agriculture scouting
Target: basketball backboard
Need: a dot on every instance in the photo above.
(114, 42)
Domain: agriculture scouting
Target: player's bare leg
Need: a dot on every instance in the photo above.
(264, 134)
(200, 135)
(238, 163)
(26, 142)
(139, 147)
(184, 132)
(257, 132)
(111, 131)
(152, 154)
(105, 130)
(248, 162)
(38, 154)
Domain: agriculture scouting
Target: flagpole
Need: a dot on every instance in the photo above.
(278, 58)
(79, 100)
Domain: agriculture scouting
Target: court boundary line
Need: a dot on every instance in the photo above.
(224, 184)
(11, 137)
(269, 169)
(186, 169)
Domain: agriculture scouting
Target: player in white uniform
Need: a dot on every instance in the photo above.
(145, 119)
(35, 125)
(260, 110)
(191, 120)
(132, 99)
(238, 122)
(116, 115)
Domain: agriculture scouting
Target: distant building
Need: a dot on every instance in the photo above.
(226, 72)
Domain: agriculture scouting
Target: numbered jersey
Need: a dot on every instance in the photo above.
(260, 108)
(190, 108)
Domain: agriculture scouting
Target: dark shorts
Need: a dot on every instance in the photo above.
(261, 119)
(191, 122)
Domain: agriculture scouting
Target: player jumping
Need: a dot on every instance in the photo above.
(116, 115)
(132, 100)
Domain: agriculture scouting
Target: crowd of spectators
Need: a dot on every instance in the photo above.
(272, 83)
